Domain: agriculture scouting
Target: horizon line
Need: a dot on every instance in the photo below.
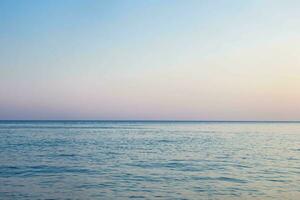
(148, 120)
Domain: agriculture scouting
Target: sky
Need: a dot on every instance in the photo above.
(150, 60)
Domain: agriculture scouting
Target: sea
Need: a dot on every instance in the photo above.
(149, 160)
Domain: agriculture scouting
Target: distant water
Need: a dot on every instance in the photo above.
(149, 160)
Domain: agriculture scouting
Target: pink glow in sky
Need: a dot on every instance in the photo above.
(181, 60)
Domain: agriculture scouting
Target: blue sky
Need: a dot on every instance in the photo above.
(206, 60)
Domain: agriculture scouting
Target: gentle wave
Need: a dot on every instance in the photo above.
(176, 160)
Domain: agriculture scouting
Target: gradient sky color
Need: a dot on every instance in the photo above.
(180, 60)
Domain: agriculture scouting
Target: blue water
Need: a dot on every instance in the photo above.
(149, 160)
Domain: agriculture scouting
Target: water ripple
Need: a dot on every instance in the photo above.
(143, 160)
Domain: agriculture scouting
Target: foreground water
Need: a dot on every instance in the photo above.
(149, 160)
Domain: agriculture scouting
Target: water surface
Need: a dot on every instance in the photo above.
(149, 160)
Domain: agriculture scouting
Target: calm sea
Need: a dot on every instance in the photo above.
(149, 160)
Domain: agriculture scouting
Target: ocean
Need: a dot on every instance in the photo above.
(149, 160)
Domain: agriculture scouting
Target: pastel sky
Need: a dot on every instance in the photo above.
(152, 59)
